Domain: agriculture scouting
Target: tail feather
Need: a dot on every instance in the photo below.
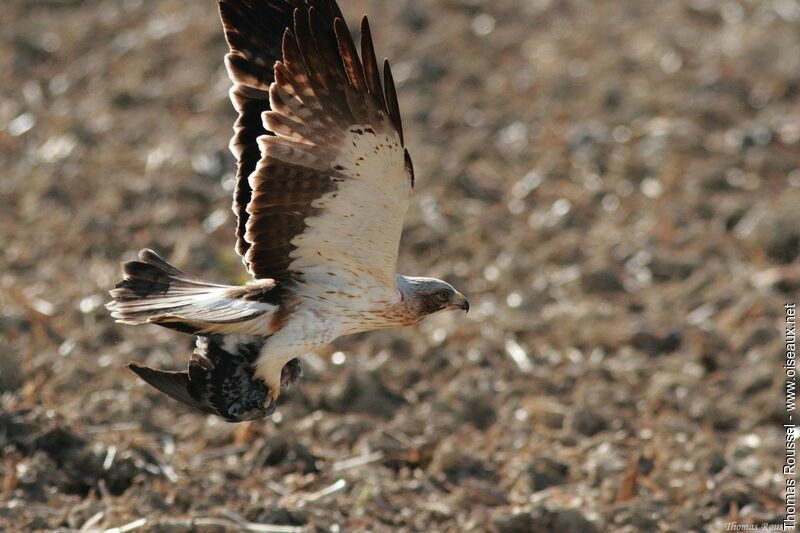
(154, 291)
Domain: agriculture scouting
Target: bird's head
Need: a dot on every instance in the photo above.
(425, 296)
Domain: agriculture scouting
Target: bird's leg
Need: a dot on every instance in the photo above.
(277, 368)
(291, 373)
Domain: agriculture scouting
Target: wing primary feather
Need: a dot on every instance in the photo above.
(320, 64)
(409, 166)
(292, 59)
(295, 86)
(347, 49)
(393, 106)
(327, 47)
(331, 8)
(307, 47)
(371, 71)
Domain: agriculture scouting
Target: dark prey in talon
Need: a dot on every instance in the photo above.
(219, 382)
(323, 183)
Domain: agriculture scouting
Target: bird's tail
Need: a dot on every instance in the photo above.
(153, 291)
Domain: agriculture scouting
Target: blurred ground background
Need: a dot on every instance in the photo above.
(615, 186)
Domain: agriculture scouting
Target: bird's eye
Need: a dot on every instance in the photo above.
(443, 295)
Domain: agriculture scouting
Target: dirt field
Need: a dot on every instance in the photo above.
(615, 186)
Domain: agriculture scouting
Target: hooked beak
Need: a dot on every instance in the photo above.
(459, 301)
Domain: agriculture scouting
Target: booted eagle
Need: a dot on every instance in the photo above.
(323, 185)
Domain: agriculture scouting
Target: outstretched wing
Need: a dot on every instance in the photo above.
(329, 193)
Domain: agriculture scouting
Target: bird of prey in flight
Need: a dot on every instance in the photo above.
(323, 185)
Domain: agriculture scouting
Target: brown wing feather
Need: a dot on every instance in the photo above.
(371, 72)
(392, 106)
(282, 203)
(253, 30)
(326, 46)
(347, 50)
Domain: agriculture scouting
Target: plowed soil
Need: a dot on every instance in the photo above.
(614, 185)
